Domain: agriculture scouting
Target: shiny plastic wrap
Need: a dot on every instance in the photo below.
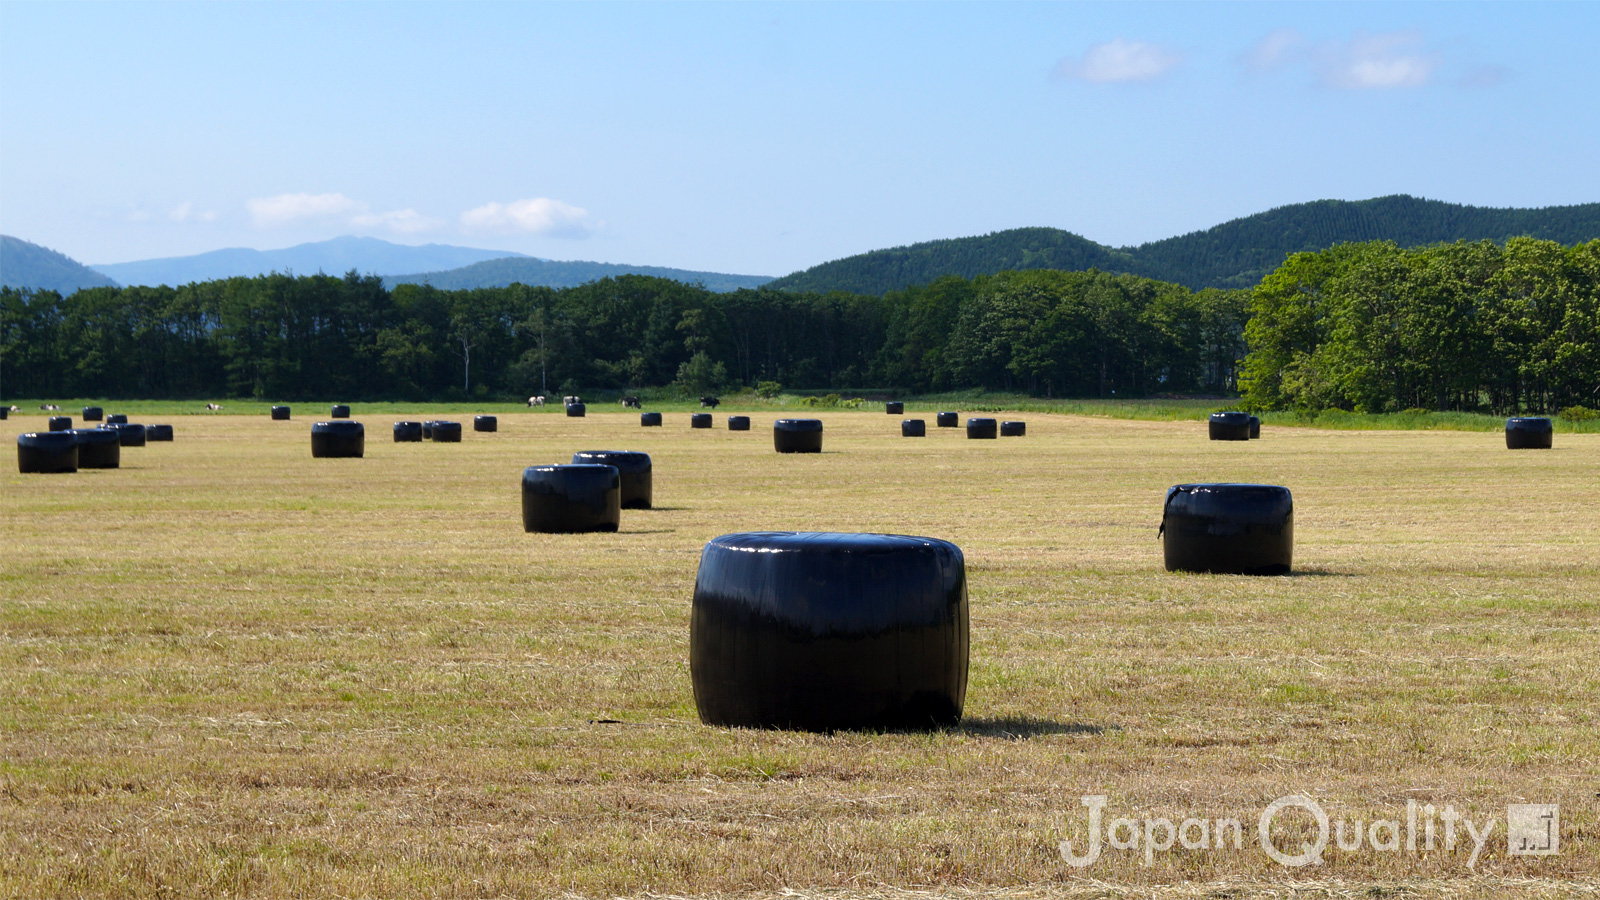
(158, 432)
(700, 420)
(131, 434)
(98, 448)
(338, 439)
(738, 423)
(797, 435)
(982, 429)
(913, 428)
(577, 410)
(44, 452)
(1529, 433)
(485, 423)
(895, 407)
(632, 467)
(280, 413)
(1230, 426)
(94, 414)
(407, 432)
(1255, 427)
(563, 499)
(1238, 529)
(446, 432)
(59, 423)
(1013, 429)
(650, 420)
(116, 419)
(947, 419)
(340, 411)
(821, 631)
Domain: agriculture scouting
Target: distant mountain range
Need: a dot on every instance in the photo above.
(29, 265)
(1236, 254)
(558, 274)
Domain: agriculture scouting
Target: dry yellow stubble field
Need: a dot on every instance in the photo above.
(228, 669)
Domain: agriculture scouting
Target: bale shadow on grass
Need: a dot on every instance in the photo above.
(1317, 572)
(1017, 728)
(647, 530)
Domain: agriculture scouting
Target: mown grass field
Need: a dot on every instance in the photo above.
(228, 669)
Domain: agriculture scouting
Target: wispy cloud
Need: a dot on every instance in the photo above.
(185, 212)
(537, 215)
(1381, 60)
(290, 209)
(1276, 50)
(1119, 61)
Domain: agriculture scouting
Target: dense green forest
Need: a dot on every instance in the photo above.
(1235, 255)
(1467, 326)
(321, 337)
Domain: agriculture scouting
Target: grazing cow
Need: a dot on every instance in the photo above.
(571, 399)
(49, 406)
(710, 401)
(213, 406)
(630, 403)
(536, 401)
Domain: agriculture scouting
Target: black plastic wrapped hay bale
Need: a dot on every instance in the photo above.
(577, 410)
(332, 440)
(913, 428)
(427, 430)
(280, 414)
(650, 420)
(632, 467)
(98, 448)
(1235, 529)
(1529, 433)
(131, 434)
(5, 413)
(1255, 427)
(700, 420)
(158, 432)
(947, 420)
(738, 423)
(93, 414)
(564, 499)
(407, 432)
(1230, 426)
(44, 452)
(894, 407)
(485, 423)
(116, 419)
(60, 423)
(340, 411)
(797, 435)
(446, 432)
(982, 429)
(1013, 429)
(829, 631)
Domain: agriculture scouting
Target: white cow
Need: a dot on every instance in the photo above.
(536, 401)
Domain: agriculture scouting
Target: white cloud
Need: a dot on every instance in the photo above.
(284, 209)
(1120, 61)
(185, 212)
(1384, 60)
(539, 215)
(1276, 50)
(400, 221)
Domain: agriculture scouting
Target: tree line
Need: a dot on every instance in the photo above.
(286, 337)
(1470, 326)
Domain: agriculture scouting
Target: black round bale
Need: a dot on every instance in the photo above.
(93, 414)
(446, 432)
(407, 432)
(427, 430)
(280, 413)
(797, 435)
(577, 410)
(98, 448)
(131, 434)
(913, 428)
(894, 407)
(947, 419)
(485, 423)
(1529, 433)
(44, 452)
(116, 419)
(5, 413)
(571, 499)
(632, 467)
(1233, 529)
(1230, 426)
(982, 429)
(60, 423)
(158, 432)
(738, 423)
(340, 411)
(650, 420)
(342, 439)
(829, 631)
(1255, 427)
(700, 420)
(1013, 429)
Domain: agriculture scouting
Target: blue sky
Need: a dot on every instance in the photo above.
(764, 138)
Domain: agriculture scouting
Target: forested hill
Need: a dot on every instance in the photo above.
(29, 265)
(1015, 250)
(1236, 254)
(562, 274)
